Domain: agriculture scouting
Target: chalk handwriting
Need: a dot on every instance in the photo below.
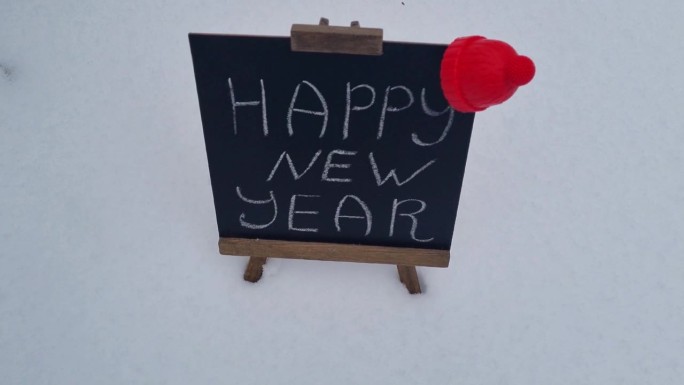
(295, 174)
(249, 225)
(339, 162)
(323, 113)
(347, 111)
(329, 164)
(368, 216)
(292, 212)
(412, 215)
(393, 173)
(235, 104)
(389, 108)
(430, 112)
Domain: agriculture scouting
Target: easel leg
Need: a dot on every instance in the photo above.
(254, 269)
(409, 277)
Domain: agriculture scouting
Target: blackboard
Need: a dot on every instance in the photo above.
(325, 147)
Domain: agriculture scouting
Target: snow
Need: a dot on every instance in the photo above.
(568, 255)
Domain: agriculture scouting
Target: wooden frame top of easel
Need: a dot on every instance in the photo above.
(353, 40)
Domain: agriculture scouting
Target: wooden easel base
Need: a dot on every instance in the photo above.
(409, 277)
(406, 259)
(254, 269)
(407, 274)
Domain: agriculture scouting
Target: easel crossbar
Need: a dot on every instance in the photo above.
(322, 251)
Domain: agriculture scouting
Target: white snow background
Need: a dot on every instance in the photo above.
(568, 256)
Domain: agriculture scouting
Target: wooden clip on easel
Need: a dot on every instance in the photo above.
(325, 38)
(354, 40)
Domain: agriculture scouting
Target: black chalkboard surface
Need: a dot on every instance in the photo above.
(325, 147)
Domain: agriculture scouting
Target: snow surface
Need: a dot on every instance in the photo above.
(568, 254)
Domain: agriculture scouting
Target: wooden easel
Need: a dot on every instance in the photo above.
(405, 258)
(353, 40)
